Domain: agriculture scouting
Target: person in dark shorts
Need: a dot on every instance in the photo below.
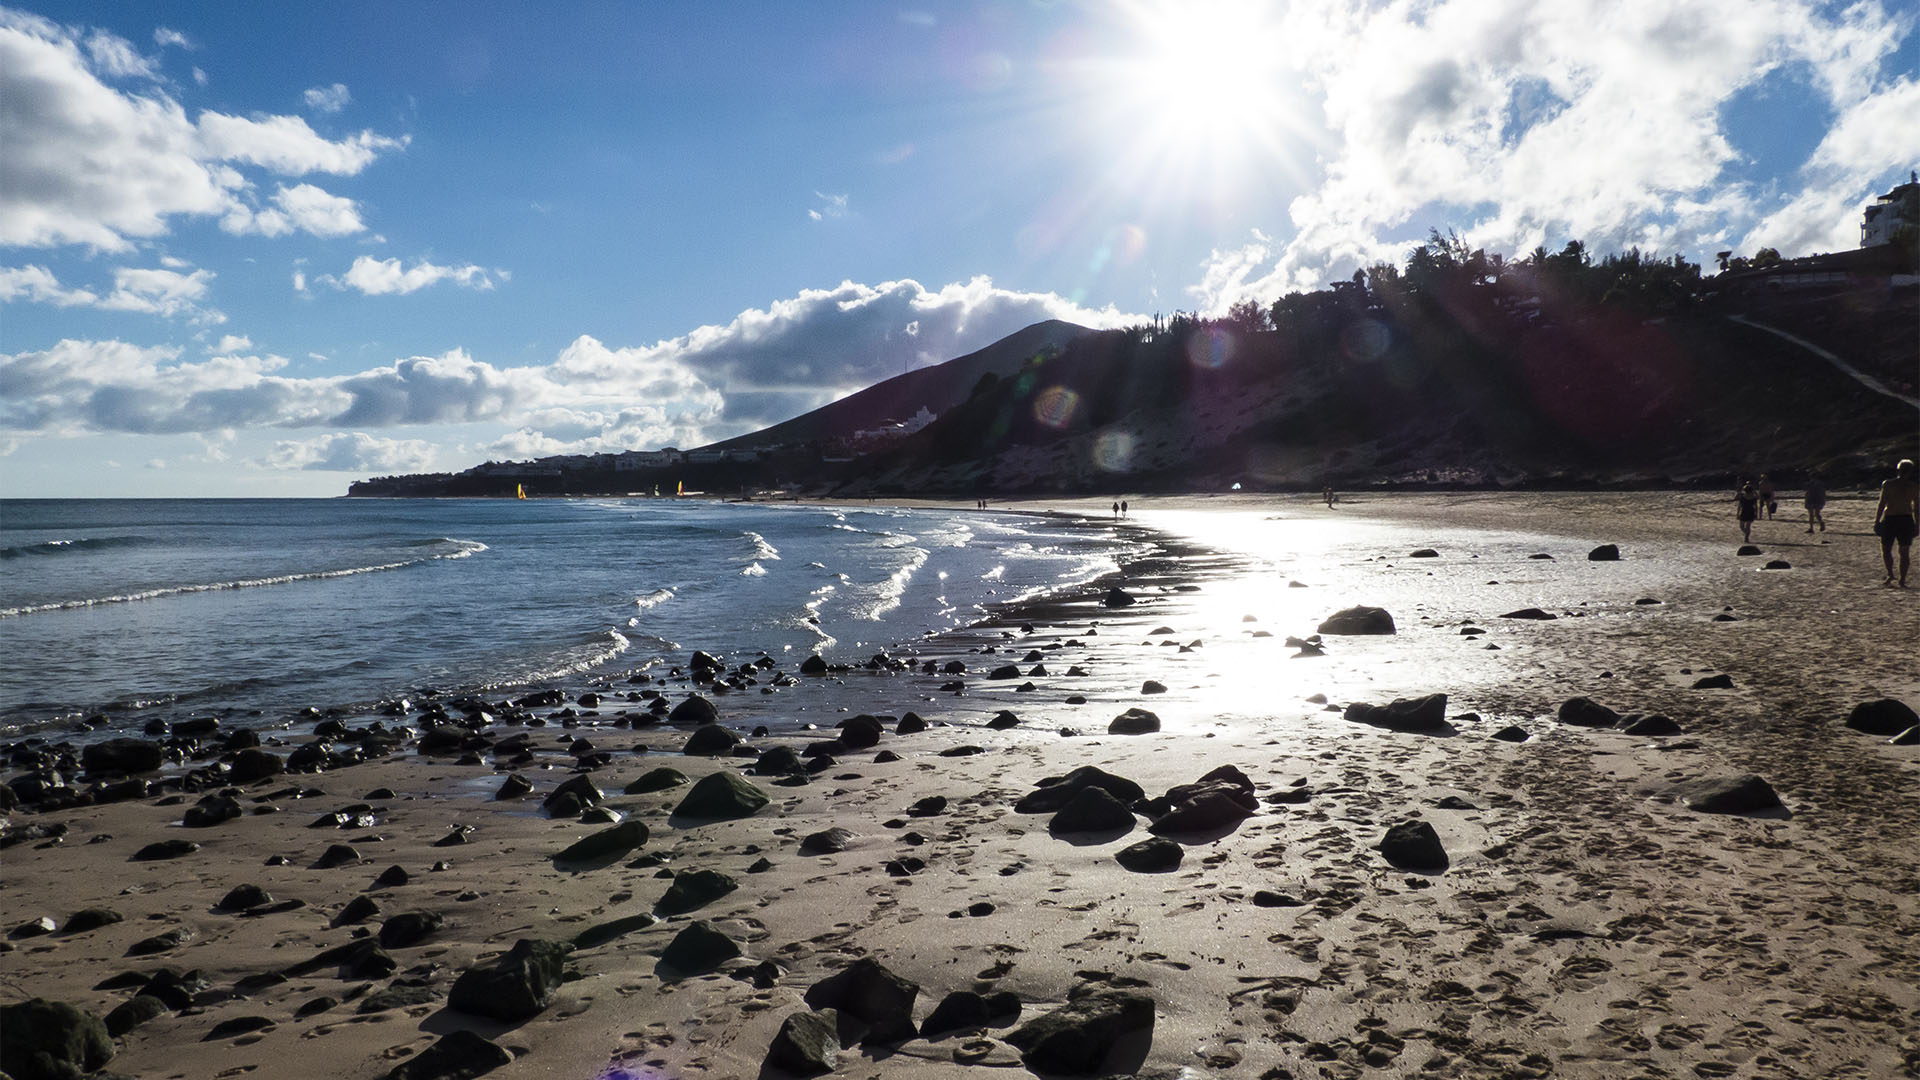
(1747, 509)
(1767, 499)
(1897, 519)
(1816, 502)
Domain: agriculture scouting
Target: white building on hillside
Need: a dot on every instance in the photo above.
(1889, 213)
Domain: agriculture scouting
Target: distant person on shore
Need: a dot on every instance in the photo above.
(1816, 501)
(1747, 509)
(1116, 509)
(1123, 508)
(1328, 496)
(1767, 496)
(1898, 517)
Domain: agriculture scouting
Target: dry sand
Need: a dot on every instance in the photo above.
(1588, 925)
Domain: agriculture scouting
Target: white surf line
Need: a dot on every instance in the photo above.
(1859, 376)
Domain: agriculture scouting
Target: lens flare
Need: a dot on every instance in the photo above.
(1055, 406)
(1113, 451)
(1211, 349)
(1365, 341)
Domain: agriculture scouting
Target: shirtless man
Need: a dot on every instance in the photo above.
(1898, 517)
(1816, 504)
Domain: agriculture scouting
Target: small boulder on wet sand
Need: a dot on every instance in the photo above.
(604, 845)
(514, 786)
(165, 849)
(92, 918)
(254, 764)
(133, 1012)
(1118, 597)
(410, 928)
(695, 710)
(1413, 845)
(1714, 682)
(1744, 794)
(1586, 712)
(122, 756)
(1883, 716)
(721, 796)
(807, 1044)
(1604, 553)
(1358, 620)
(694, 889)
(653, 780)
(964, 1010)
(1051, 796)
(1154, 855)
(861, 732)
(826, 842)
(1219, 800)
(878, 1002)
(1092, 810)
(1421, 714)
(583, 792)
(242, 897)
(1074, 1039)
(49, 1039)
(459, 1055)
(709, 740)
(1650, 725)
(514, 986)
(698, 949)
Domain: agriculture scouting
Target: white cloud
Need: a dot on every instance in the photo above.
(327, 99)
(89, 164)
(149, 291)
(831, 206)
(763, 366)
(381, 277)
(1878, 135)
(164, 36)
(233, 343)
(352, 452)
(1525, 123)
(38, 285)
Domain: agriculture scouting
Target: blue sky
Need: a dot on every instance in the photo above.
(266, 249)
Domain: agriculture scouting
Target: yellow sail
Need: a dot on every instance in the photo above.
(519, 491)
(680, 487)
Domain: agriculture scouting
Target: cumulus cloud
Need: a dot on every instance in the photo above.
(149, 291)
(383, 277)
(352, 452)
(1603, 120)
(302, 206)
(233, 343)
(765, 365)
(328, 99)
(88, 163)
(164, 36)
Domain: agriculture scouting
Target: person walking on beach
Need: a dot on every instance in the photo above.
(1816, 501)
(1747, 509)
(1897, 519)
(1767, 497)
(1116, 509)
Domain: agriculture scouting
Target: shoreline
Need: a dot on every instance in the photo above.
(1586, 925)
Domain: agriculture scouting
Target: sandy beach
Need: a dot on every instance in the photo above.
(1588, 918)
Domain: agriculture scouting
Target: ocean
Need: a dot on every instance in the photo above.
(262, 608)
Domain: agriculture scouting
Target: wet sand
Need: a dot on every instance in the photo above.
(1587, 923)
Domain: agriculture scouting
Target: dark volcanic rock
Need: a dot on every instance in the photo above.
(242, 897)
(584, 792)
(51, 1040)
(1003, 720)
(601, 933)
(1153, 686)
(607, 844)
(1358, 620)
(1650, 725)
(694, 710)
(1421, 714)
(709, 740)
(337, 855)
(699, 949)
(514, 786)
(254, 764)
(239, 1025)
(910, 724)
(1118, 597)
(1884, 716)
(866, 991)
(1714, 682)
(779, 761)
(1604, 553)
(1092, 810)
(964, 1010)
(694, 889)
(862, 731)
(211, 811)
(515, 986)
(92, 918)
(1413, 845)
(813, 665)
(1051, 797)
(1585, 712)
(1532, 613)
(360, 959)
(655, 780)
(410, 928)
(397, 997)
(1747, 550)
(122, 756)
(392, 878)
(826, 842)
(133, 1012)
(719, 796)
(1134, 722)
(1074, 1039)
(164, 941)
(806, 1044)
(358, 910)
(1744, 794)
(459, 1055)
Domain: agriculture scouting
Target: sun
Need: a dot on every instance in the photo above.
(1205, 79)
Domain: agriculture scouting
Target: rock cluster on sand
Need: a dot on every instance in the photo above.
(51, 1040)
(515, 986)
(1076, 1038)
